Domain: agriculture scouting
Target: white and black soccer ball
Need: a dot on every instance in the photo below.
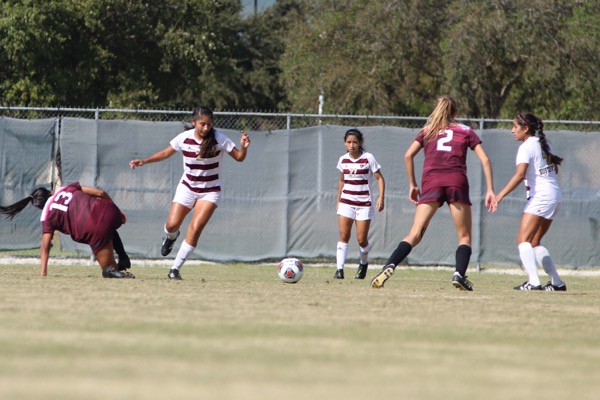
(290, 270)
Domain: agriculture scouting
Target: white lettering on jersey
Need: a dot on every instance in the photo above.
(441, 143)
(61, 201)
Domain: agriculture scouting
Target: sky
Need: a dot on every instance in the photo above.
(261, 4)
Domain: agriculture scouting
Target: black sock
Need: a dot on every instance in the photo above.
(403, 250)
(124, 262)
(463, 256)
(118, 244)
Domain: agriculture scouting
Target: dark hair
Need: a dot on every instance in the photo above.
(208, 148)
(38, 198)
(536, 127)
(354, 132)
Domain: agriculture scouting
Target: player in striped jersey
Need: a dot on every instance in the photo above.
(202, 148)
(354, 201)
(445, 143)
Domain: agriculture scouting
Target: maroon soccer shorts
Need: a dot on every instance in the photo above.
(446, 194)
(108, 219)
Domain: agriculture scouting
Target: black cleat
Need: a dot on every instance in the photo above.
(462, 283)
(528, 286)
(551, 288)
(380, 278)
(174, 274)
(111, 272)
(362, 271)
(339, 274)
(167, 245)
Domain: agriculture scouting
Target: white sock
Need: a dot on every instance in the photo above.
(184, 252)
(363, 253)
(542, 256)
(528, 259)
(341, 254)
(171, 235)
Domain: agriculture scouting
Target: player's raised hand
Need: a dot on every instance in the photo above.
(245, 140)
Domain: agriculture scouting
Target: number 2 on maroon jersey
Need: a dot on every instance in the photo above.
(441, 143)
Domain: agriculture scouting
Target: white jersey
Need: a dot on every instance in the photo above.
(358, 174)
(201, 175)
(540, 181)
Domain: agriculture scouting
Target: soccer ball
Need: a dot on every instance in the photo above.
(290, 270)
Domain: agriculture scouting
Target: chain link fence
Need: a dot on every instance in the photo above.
(271, 121)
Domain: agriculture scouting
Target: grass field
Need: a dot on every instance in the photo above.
(236, 332)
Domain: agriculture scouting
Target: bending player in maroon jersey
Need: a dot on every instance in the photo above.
(86, 214)
(445, 143)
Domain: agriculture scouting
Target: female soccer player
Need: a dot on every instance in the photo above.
(537, 168)
(199, 189)
(354, 201)
(86, 214)
(445, 143)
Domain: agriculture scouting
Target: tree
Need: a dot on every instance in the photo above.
(397, 56)
(507, 53)
(362, 57)
(171, 53)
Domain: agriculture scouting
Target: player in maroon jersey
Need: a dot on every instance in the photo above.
(86, 214)
(445, 143)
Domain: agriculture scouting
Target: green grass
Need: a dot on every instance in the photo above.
(237, 332)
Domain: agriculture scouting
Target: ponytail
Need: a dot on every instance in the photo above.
(441, 117)
(38, 198)
(208, 148)
(536, 127)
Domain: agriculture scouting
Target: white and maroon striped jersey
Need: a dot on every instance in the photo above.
(358, 175)
(201, 175)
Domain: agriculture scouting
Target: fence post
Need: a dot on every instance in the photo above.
(481, 208)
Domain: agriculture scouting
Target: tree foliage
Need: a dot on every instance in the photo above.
(169, 53)
(397, 56)
(377, 57)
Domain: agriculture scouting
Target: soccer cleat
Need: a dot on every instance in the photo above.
(127, 274)
(551, 288)
(462, 283)
(175, 275)
(167, 245)
(383, 276)
(111, 272)
(528, 286)
(362, 271)
(339, 274)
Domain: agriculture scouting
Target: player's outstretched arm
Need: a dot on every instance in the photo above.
(486, 164)
(45, 252)
(240, 155)
(156, 157)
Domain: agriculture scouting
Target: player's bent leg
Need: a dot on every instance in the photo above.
(106, 259)
(177, 214)
(203, 211)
